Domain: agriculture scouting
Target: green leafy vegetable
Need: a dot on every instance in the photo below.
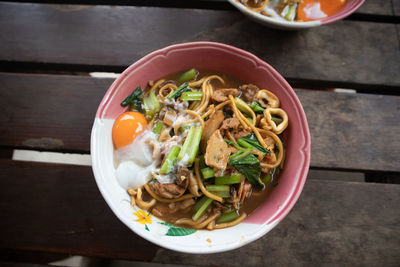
(191, 96)
(256, 107)
(188, 75)
(169, 163)
(158, 128)
(178, 92)
(223, 194)
(289, 12)
(191, 145)
(248, 165)
(220, 188)
(201, 206)
(233, 179)
(134, 100)
(207, 173)
(228, 216)
(151, 105)
(251, 141)
(241, 105)
(229, 142)
(276, 119)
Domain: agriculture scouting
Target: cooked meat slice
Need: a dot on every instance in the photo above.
(181, 205)
(249, 92)
(217, 152)
(221, 95)
(169, 118)
(182, 176)
(170, 190)
(269, 141)
(240, 133)
(212, 124)
(231, 123)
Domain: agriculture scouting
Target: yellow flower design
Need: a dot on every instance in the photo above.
(143, 218)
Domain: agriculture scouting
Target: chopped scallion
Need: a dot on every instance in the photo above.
(169, 163)
(228, 216)
(188, 75)
(233, 179)
(202, 208)
(207, 173)
(191, 96)
(158, 128)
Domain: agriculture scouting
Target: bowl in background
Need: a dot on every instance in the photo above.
(348, 9)
(211, 56)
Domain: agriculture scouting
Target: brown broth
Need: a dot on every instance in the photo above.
(258, 196)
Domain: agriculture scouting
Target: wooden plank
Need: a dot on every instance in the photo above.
(48, 111)
(334, 223)
(317, 54)
(63, 212)
(346, 130)
(396, 7)
(19, 264)
(377, 7)
(39, 111)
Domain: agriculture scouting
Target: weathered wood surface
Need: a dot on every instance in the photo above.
(50, 112)
(396, 7)
(11, 264)
(374, 7)
(348, 131)
(58, 208)
(347, 52)
(377, 7)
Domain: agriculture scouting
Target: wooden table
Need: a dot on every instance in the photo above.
(348, 213)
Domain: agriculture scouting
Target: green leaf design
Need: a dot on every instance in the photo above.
(146, 228)
(177, 231)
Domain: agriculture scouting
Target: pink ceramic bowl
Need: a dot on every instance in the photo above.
(238, 63)
(350, 7)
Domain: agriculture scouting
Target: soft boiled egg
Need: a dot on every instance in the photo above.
(127, 127)
(131, 175)
(133, 149)
(318, 9)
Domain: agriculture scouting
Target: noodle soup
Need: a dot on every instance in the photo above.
(295, 10)
(199, 149)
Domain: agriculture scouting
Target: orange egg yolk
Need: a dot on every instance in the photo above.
(127, 127)
(318, 9)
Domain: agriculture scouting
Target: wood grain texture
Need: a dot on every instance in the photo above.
(332, 224)
(377, 7)
(348, 131)
(396, 7)
(337, 223)
(49, 112)
(345, 52)
(58, 208)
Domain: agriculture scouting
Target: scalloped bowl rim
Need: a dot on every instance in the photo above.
(293, 192)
